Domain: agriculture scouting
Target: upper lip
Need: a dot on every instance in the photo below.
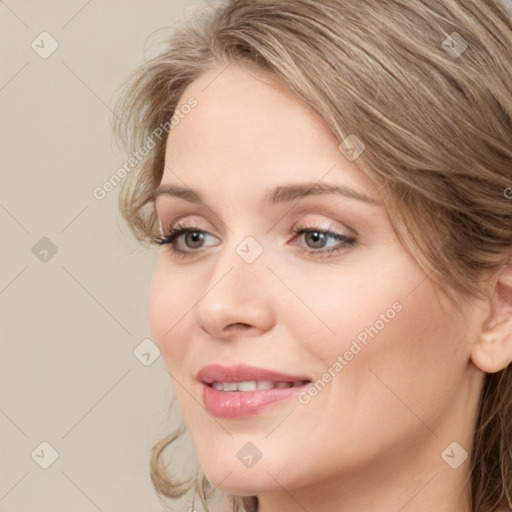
(242, 373)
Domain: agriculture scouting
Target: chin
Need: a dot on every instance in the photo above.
(237, 479)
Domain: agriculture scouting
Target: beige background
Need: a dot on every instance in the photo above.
(70, 324)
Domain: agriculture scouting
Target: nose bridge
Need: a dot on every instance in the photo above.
(242, 255)
(239, 269)
(236, 292)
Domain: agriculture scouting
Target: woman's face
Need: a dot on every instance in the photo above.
(386, 354)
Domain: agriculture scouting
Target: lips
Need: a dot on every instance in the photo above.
(241, 391)
(243, 373)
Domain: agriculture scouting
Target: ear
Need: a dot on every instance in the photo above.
(492, 351)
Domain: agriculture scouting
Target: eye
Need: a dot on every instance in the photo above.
(318, 238)
(314, 237)
(192, 236)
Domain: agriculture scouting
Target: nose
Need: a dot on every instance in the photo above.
(237, 299)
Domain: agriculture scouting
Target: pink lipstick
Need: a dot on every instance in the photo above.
(241, 391)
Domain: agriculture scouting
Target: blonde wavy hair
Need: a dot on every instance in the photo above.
(427, 86)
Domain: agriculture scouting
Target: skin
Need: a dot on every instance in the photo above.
(372, 439)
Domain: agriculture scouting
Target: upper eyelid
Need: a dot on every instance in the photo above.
(178, 232)
(331, 217)
(298, 230)
(309, 205)
(298, 226)
(186, 215)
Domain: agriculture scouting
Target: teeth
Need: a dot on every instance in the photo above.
(265, 384)
(245, 386)
(254, 385)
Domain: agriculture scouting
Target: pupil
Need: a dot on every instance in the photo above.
(196, 237)
(318, 237)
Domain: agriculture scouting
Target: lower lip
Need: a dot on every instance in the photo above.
(238, 404)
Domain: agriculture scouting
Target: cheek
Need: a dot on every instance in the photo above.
(382, 317)
(348, 302)
(167, 311)
(414, 361)
(157, 306)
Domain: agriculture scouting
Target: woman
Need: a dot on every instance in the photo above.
(329, 184)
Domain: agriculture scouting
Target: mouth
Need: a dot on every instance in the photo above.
(245, 375)
(242, 391)
(255, 385)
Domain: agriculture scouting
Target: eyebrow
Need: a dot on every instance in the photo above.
(280, 194)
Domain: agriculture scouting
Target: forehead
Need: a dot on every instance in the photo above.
(248, 131)
(237, 109)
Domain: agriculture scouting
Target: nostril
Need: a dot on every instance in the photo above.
(238, 326)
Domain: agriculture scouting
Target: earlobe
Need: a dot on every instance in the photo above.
(492, 351)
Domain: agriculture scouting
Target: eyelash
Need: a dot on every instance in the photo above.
(178, 230)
